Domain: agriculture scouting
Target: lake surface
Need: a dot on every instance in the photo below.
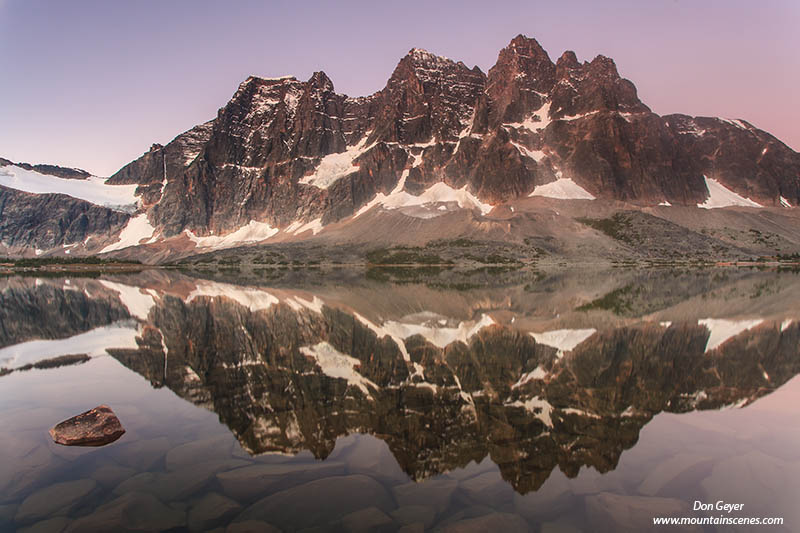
(336, 401)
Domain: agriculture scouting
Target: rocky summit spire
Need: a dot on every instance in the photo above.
(525, 57)
(320, 80)
(520, 80)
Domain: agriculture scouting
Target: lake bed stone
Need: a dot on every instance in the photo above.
(415, 514)
(506, 522)
(369, 519)
(211, 510)
(52, 525)
(55, 499)
(249, 482)
(135, 511)
(435, 493)
(319, 502)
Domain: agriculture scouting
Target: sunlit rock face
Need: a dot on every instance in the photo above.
(479, 374)
(285, 150)
(67, 222)
(291, 155)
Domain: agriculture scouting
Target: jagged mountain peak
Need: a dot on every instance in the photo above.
(422, 55)
(269, 80)
(603, 66)
(320, 80)
(519, 82)
(523, 45)
(425, 67)
(568, 60)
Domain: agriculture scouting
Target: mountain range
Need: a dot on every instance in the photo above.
(532, 149)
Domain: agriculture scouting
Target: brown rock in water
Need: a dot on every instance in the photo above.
(96, 427)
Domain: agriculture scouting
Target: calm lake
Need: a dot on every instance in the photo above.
(403, 400)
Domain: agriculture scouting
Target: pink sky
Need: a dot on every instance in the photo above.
(93, 84)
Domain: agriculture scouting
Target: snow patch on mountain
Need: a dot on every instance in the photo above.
(332, 167)
(337, 365)
(537, 373)
(298, 304)
(438, 335)
(540, 408)
(382, 332)
(721, 196)
(135, 231)
(437, 193)
(434, 328)
(536, 155)
(137, 302)
(564, 340)
(253, 299)
(252, 232)
(297, 227)
(538, 120)
(734, 122)
(580, 412)
(721, 329)
(570, 118)
(92, 343)
(92, 189)
(562, 189)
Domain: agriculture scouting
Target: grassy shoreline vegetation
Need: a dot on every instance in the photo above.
(441, 254)
(67, 264)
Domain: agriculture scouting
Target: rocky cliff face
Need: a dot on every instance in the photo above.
(291, 155)
(284, 150)
(53, 221)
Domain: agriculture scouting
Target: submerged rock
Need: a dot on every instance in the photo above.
(134, 511)
(96, 427)
(319, 502)
(54, 500)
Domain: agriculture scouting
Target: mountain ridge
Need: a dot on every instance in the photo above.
(288, 156)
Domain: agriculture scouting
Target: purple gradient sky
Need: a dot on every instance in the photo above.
(93, 84)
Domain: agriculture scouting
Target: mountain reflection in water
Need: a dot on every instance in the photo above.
(560, 372)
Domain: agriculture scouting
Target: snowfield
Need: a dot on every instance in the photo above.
(439, 335)
(93, 343)
(252, 298)
(562, 189)
(137, 302)
(720, 330)
(93, 189)
(335, 166)
(297, 227)
(438, 193)
(135, 231)
(564, 340)
(252, 232)
(337, 365)
(721, 196)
